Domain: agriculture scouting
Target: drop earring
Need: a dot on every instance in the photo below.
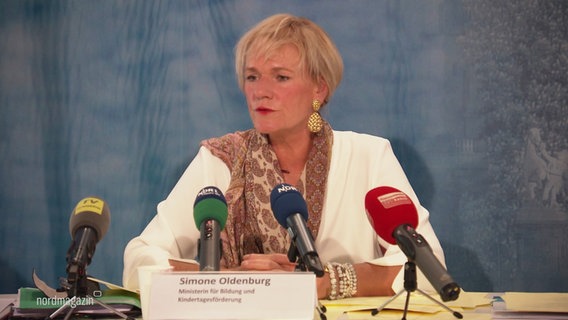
(315, 122)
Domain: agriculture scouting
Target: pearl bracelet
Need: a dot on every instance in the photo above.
(331, 269)
(343, 280)
(352, 279)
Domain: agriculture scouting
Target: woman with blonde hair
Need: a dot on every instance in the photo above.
(288, 68)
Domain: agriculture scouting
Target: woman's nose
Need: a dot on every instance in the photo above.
(262, 89)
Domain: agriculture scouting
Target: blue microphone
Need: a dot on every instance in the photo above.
(291, 211)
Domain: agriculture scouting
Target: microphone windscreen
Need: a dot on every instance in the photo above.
(387, 208)
(210, 204)
(286, 200)
(90, 212)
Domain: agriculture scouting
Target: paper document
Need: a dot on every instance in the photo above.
(419, 307)
(530, 305)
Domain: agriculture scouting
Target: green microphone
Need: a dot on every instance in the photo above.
(210, 214)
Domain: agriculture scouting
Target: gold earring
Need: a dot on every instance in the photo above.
(315, 121)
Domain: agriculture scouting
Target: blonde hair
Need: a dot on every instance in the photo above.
(319, 56)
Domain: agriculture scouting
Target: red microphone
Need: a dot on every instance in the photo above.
(387, 208)
(394, 218)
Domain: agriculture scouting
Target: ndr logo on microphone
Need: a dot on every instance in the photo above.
(209, 191)
(286, 188)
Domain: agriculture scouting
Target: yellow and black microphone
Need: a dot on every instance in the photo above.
(88, 224)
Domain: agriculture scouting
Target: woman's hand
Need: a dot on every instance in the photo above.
(267, 262)
(270, 262)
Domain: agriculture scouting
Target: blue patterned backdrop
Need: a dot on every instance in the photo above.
(111, 98)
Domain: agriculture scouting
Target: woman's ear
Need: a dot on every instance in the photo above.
(322, 91)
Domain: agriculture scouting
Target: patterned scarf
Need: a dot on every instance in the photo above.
(255, 171)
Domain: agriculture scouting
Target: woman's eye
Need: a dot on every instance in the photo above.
(251, 77)
(282, 78)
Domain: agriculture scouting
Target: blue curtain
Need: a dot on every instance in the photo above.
(111, 98)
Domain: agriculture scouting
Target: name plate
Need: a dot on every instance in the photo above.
(232, 295)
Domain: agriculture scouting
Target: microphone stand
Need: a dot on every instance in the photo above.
(301, 264)
(76, 286)
(294, 256)
(411, 285)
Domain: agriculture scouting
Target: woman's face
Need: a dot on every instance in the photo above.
(279, 93)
